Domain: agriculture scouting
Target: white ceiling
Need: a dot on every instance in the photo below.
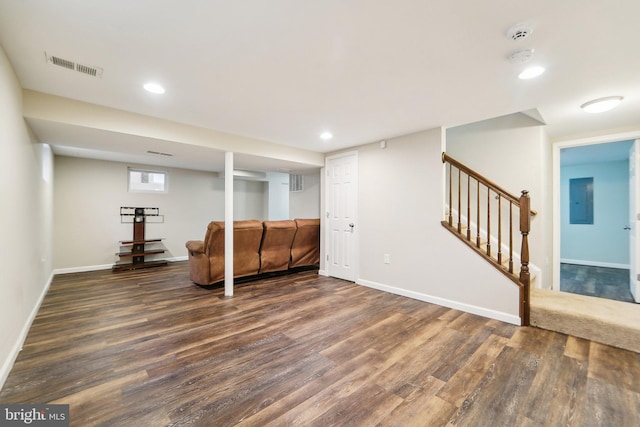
(286, 70)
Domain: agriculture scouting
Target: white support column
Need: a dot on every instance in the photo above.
(228, 224)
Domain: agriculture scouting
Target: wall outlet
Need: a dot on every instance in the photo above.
(387, 259)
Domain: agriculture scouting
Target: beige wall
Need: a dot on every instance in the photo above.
(400, 208)
(89, 194)
(306, 204)
(26, 183)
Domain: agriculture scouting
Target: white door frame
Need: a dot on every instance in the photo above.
(556, 147)
(634, 153)
(324, 265)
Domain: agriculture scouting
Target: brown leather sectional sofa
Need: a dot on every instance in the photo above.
(258, 247)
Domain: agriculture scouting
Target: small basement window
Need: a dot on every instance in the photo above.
(581, 201)
(147, 181)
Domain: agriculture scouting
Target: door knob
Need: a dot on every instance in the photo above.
(627, 227)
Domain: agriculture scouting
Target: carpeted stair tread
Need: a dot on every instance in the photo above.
(606, 321)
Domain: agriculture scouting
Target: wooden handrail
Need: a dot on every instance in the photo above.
(522, 203)
(486, 181)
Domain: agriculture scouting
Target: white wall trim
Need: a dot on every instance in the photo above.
(594, 263)
(86, 268)
(82, 269)
(597, 139)
(480, 311)
(17, 347)
(323, 273)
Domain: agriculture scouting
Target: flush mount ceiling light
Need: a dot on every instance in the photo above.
(153, 88)
(601, 105)
(531, 72)
(325, 136)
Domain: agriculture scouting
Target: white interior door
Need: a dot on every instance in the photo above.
(634, 214)
(341, 215)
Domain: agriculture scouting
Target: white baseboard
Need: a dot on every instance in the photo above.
(594, 263)
(17, 347)
(323, 273)
(82, 269)
(480, 311)
(105, 266)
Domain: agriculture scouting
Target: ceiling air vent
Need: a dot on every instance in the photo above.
(71, 65)
(62, 62)
(92, 71)
(160, 153)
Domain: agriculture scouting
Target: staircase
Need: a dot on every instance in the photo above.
(476, 206)
(489, 203)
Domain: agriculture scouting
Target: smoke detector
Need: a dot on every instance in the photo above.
(73, 66)
(519, 31)
(520, 56)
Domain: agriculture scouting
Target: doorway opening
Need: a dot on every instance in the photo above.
(596, 183)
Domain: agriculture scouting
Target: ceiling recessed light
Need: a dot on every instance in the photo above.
(325, 136)
(531, 72)
(602, 104)
(153, 88)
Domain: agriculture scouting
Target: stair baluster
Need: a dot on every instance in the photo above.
(450, 199)
(488, 221)
(510, 237)
(478, 218)
(499, 254)
(459, 198)
(468, 207)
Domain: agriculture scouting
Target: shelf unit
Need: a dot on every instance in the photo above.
(139, 252)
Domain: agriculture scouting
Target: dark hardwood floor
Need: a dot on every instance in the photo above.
(601, 282)
(149, 348)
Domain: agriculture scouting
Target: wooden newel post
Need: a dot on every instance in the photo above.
(450, 196)
(525, 227)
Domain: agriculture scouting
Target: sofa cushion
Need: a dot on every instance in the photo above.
(247, 236)
(305, 249)
(275, 250)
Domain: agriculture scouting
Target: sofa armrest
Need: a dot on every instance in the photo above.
(198, 262)
(195, 247)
